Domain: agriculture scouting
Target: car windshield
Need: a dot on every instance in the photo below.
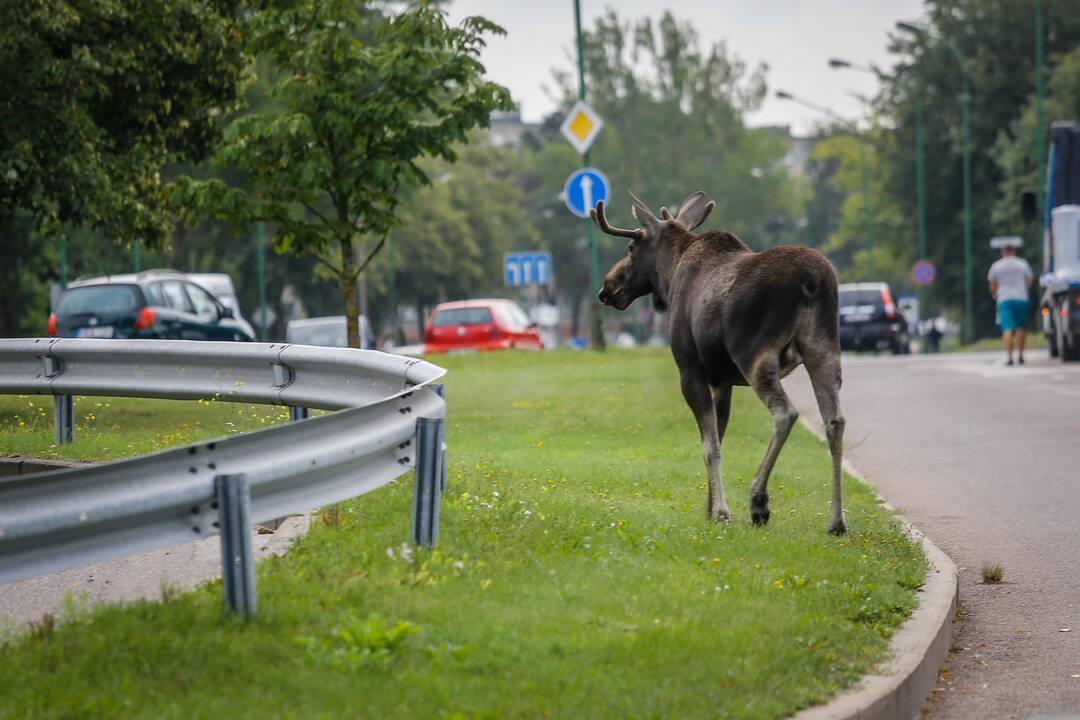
(328, 335)
(861, 297)
(98, 299)
(462, 316)
(512, 316)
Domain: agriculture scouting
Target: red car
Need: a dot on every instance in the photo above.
(480, 325)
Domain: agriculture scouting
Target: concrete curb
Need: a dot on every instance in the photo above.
(919, 648)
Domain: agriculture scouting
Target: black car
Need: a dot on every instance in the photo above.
(869, 319)
(152, 304)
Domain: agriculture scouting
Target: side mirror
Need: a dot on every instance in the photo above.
(226, 312)
(1029, 209)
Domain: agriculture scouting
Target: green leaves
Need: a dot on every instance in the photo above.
(99, 96)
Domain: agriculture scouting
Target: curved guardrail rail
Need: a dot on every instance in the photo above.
(389, 421)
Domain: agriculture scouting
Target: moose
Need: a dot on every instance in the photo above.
(735, 317)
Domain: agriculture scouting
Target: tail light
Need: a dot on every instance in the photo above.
(890, 306)
(1046, 312)
(51, 327)
(145, 319)
(1078, 299)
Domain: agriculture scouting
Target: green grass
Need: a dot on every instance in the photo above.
(576, 576)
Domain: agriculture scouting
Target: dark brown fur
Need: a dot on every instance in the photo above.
(736, 317)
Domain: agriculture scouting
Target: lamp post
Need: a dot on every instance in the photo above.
(965, 102)
(869, 225)
(920, 164)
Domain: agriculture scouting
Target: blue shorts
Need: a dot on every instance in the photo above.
(1012, 315)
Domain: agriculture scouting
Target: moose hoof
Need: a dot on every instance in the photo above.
(719, 515)
(838, 528)
(759, 509)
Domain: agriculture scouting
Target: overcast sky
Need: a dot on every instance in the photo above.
(794, 37)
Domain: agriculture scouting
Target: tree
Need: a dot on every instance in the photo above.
(98, 94)
(997, 38)
(355, 111)
(453, 233)
(673, 123)
(1013, 149)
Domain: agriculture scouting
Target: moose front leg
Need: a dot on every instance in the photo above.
(766, 383)
(699, 396)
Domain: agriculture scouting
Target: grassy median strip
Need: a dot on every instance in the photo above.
(576, 575)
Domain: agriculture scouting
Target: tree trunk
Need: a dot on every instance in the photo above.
(420, 319)
(348, 292)
(11, 309)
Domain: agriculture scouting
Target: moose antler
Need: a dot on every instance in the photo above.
(600, 218)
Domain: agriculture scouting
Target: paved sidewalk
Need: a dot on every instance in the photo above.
(985, 459)
(140, 577)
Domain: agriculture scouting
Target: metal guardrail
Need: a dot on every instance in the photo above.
(389, 421)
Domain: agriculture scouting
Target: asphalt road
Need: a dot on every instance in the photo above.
(985, 459)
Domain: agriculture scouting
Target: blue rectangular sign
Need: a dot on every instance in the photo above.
(527, 268)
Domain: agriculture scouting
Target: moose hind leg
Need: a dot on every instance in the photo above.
(766, 383)
(699, 398)
(825, 378)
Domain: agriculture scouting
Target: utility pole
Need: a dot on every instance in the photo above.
(1040, 122)
(920, 195)
(260, 242)
(63, 261)
(595, 328)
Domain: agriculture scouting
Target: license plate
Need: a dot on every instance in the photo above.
(857, 317)
(99, 331)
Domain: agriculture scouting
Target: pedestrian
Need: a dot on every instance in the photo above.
(1010, 280)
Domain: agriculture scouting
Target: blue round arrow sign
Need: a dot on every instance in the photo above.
(583, 188)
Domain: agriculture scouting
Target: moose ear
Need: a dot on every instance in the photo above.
(644, 216)
(694, 210)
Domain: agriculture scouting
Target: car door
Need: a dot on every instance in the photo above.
(208, 314)
(183, 324)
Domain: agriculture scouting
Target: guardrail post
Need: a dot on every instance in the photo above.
(429, 443)
(441, 390)
(298, 413)
(237, 560)
(63, 418)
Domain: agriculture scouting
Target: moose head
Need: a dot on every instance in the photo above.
(635, 275)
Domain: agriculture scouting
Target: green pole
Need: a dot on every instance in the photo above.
(392, 261)
(920, 196)
(63, 261)
(595, 329)
(866, 208)
(969, 311)
(1040, 120)
(260, 242)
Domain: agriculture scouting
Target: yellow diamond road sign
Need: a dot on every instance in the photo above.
(581, 126)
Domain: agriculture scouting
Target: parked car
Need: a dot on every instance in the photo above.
(480, 325)
(869, 319)
(220, 285)
(328, 331)
(151, 304)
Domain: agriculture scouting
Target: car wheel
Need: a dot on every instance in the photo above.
(1052, 345)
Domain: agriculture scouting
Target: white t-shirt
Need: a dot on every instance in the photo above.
(1011, 274)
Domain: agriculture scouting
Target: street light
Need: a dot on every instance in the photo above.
(920, 167)
(965, 102)
(862, 165)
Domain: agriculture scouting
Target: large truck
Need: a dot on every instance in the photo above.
(1059, 282)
